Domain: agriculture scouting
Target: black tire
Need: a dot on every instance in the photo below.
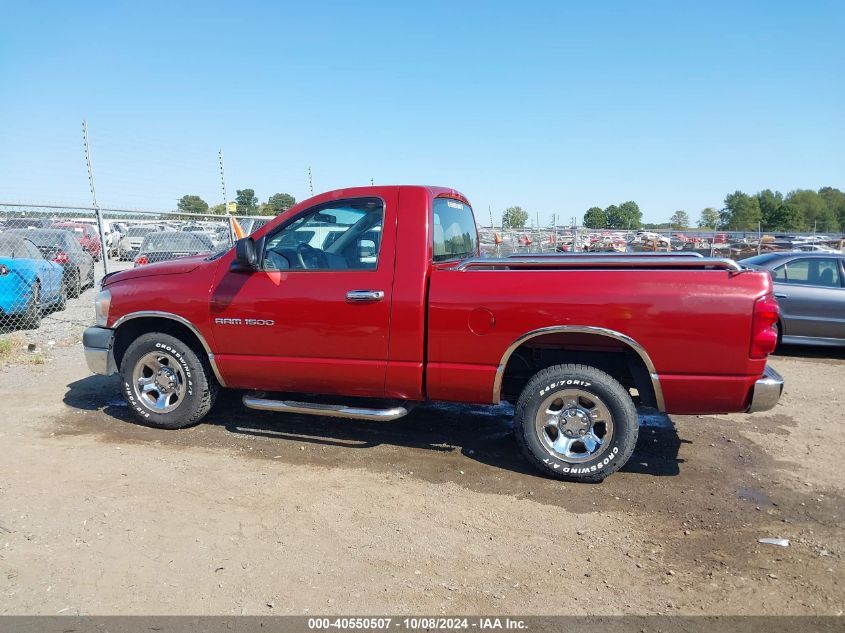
(31, 319)
(596, 386)
(200, 385)
(91, 278)
(75, 284)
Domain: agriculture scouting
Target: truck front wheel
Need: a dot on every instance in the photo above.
(576, 422)
(166, 383)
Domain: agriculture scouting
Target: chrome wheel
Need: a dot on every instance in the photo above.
(159, 382)
(574, 425)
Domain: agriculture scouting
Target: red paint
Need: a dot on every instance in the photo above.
(441, 333)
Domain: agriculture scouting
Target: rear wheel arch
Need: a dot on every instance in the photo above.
(608, 350)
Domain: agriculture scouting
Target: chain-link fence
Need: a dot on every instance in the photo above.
(52, 257)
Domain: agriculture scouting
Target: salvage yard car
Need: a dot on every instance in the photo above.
(162, 246)
(398, 309)
(87, 236)
(60, 246)
(29, 284)
(810, 289)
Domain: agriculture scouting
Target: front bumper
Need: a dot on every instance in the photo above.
(97, 343)
(767, 391)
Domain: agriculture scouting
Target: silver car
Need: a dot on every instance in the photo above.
(810, 288)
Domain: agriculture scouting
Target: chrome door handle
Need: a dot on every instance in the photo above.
(364, 296)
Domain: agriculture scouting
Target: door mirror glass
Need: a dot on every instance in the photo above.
(246, 256)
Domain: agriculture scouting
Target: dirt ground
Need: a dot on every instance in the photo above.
(262, 513)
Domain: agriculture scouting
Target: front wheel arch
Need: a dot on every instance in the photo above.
(132, 328)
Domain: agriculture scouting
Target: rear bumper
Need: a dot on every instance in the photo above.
(97, 343)
(766, 392)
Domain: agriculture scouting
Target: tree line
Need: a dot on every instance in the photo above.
(798, 211)
(247, 204)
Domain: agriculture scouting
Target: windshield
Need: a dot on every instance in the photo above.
(46, 239)
(455, 234)
(173, 241)
(139, 231)
(760, 260)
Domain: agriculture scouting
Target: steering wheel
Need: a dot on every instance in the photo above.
(304, 250)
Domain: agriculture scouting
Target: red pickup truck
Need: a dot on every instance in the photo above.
(373, 299)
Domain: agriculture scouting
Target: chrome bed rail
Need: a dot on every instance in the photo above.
(622, 261)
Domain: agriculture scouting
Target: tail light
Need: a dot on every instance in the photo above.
(61, 258)
(141, 260)
(764, 334)
(4, 270)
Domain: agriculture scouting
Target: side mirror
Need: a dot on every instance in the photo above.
(246, 255)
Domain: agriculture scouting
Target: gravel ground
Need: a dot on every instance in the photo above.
(262, 513)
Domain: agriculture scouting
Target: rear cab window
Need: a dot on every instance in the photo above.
(455, 235)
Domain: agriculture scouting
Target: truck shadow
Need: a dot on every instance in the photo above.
(481, 434)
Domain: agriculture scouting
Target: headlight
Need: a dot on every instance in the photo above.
(101, 307)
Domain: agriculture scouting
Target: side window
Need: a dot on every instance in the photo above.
(798, 272)
(342, 235)
(72, 245)
(779, 273)
(31, 251)
(826, 273)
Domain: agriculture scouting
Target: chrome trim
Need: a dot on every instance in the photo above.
(178, 319)
(612, 254)
(580, 329)
(99, 361)
(327, 410)
(631, 262)
(767, 391)
(97, 346)
(364, 296)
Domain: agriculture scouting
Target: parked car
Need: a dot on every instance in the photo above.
(400, 309)
(162, 246)
(131, 241)
(87, 236)
(61, 246)
(810, 289)
(29, 284)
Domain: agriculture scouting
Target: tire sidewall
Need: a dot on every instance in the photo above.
(32, 316)
(75, 284)
(191, 367)
(618, 402)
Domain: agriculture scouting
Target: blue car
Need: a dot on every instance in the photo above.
(29, 284)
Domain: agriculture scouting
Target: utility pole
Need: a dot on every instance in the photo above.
(232, 234)
(310, 180)
(490, 211)
(223, 180)
(104, 249)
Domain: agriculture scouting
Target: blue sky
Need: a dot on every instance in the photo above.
(554, 106)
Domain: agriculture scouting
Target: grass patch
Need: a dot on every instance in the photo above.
(6, 348)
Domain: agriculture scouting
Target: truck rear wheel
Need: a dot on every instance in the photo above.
(166, 383)
(575, 422)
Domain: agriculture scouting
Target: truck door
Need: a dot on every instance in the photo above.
(316, 316)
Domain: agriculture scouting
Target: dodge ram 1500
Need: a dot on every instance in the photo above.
(372, 299)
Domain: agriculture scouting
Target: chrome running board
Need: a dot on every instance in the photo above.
(328, 410)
